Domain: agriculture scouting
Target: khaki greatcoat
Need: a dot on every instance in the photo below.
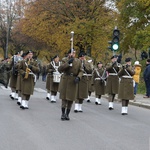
(126, 84)
(112, 84)
(27, 85)
(49, 78)
(68, 88)
(13, 77)
(83, 84)
(51, 69)
(98, 80)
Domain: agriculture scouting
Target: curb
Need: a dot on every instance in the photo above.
(139, 104)
(131, 102)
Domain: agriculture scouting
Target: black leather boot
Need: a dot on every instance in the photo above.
(63, 117)
(67, 114)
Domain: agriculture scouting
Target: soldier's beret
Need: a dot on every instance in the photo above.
(24, 54)
(17, 53)
(99, 63)
(70, 51)
(114, 56)
(55, 56)
(29, 52)
(128, 59)
(81, 54)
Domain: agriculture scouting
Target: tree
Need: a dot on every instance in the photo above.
(51, 22)
(134, 22)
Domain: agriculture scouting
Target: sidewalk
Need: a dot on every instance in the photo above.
(138, 101)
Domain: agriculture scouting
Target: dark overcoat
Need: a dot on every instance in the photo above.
(68, 88)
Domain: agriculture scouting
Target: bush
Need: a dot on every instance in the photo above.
(141, 88)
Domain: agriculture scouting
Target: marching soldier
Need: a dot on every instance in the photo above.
(90, 86)
(19, 79)
(53, 70)
(28, 69)
(83, 84)
(99, 82)
(126, 90)
(112, 84)
(49, 80)
(72, 72)
(14, 74)
(5, 69)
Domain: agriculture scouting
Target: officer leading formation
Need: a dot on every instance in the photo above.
(71, 77)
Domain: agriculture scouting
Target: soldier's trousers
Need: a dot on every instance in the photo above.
(48, 91)
(53, 93)
(125, 102)
(98, 96)
(111, 97)
(25, 97)
(66, 104)
(79, 101)
(13, 89)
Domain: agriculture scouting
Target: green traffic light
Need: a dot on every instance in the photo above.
(115, 47)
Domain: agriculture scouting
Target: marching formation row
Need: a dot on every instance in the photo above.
(74, 78)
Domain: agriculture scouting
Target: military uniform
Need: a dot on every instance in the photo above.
(49, 80)
(83, 84)
(90, 85)
(72, 73)
(5, 69)
(55, 77)
(13, 79)
(112, 84)
(27, 82)
(99, 82)
(18, 85)
(126, 90)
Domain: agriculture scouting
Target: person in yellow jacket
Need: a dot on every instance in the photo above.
(136, 77)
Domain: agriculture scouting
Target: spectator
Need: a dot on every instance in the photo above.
(146, 76)
(136, 77)
(44, 73)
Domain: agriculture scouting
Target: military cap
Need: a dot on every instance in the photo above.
(128, 59)
(70, 51)
(17, 53)
(24, 54)
(55, 56)
(114, 56)
(99, 63)
(81, 54)
(29, 52)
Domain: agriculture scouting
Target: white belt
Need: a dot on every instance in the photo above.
(113, 74)
(33, 75)
(127, 77)
(87, 74)
(97, 78)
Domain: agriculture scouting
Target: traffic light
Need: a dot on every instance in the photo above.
(115, 40)
(114, 44)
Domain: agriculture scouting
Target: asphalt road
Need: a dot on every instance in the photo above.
(97, 128)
